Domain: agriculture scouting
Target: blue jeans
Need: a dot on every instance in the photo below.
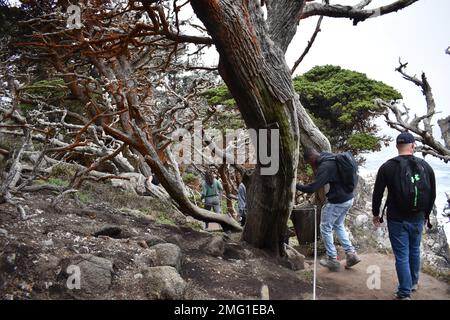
(405, 241)
(332, 218)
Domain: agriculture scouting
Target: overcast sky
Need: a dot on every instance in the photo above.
(418, 34)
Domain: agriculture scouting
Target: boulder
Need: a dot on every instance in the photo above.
(146, 258)
(95, 272)
(236, 251)
(214, 247)
(3, 232)
(168, 254)
(164, 282)
(48, 243)
(296, 259)
(8, 262)
(152, 240)
(175, 238)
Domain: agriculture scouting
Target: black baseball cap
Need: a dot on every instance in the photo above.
(405, 138)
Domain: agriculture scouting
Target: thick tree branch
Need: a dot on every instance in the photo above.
(444, 124)
(356, 13)
(282, 20)
(176, 187)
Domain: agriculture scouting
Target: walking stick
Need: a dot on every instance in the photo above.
(315, 252)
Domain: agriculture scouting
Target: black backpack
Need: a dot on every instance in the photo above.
(412, 186)
(347, 171)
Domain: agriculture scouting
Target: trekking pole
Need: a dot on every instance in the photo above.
(315, 253)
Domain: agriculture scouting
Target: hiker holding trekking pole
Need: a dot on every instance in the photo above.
(340, 172)
(411, 193)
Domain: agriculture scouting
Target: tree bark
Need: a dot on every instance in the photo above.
(444, 124)
(258, 77)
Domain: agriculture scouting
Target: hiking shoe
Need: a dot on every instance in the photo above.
(351, 260)
(399, 296)
(331, 263)
(414, 287)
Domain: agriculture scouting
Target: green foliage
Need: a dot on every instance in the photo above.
(26, 107)
(219, 96)
(58, 182)
(195, 225)
(63, 170)
(164, 218)
(227, 116)
(341, 103)
(9, 142)
(363, 141)
(195, 197)
(189, 178)
(309, 170)
(50, 89)
(85, 197)
(47, 90)
(223, 205)
(227, 119)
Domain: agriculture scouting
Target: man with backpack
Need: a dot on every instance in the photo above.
(411, 193)
(340, 172)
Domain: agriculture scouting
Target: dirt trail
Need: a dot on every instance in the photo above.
(351, 284)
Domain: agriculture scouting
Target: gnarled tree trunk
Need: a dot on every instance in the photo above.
(256, 73)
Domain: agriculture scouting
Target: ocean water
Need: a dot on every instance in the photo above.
(441, 170)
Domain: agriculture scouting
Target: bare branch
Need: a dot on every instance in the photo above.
(402, 122)
(308, 47)
(15, 171)
(444, 124)
(356, 13)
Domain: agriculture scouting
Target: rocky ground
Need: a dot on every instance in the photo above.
(374, 278)
(129, 254)
(114, 244)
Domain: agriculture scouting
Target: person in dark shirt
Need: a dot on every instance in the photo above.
(334, 211)
(405, 228)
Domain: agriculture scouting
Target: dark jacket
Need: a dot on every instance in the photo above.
(327, 173)
(385, 178)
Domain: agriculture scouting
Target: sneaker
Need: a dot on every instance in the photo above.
(399, 296)
(331, 263)
(414, 287)
(351, 260)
